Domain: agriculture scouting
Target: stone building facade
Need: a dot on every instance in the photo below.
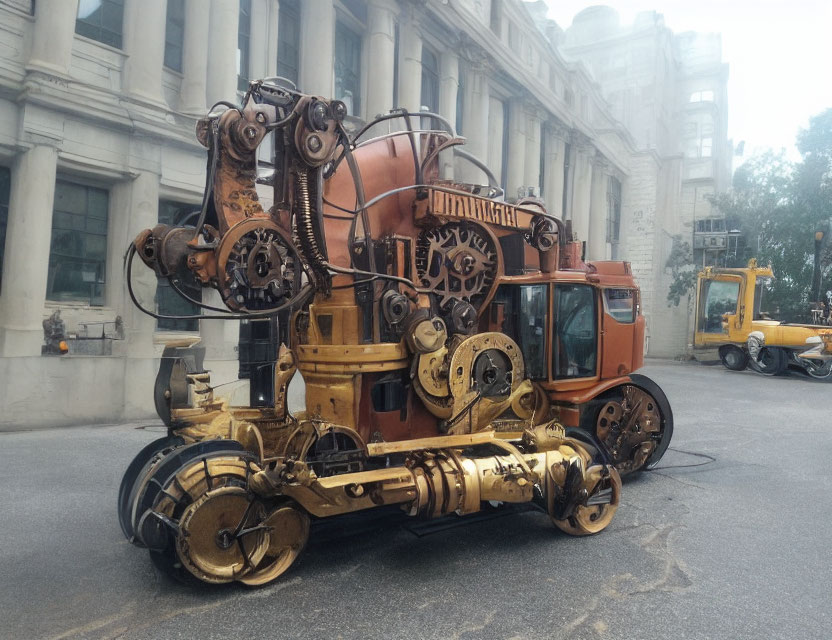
(99, 99)
(670, 92)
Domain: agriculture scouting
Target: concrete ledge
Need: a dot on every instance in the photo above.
(46, 391)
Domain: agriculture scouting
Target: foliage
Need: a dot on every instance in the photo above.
(682, 271)
(778, 205)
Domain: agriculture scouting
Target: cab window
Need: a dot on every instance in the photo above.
(620, 304)
(718, 297)
(520, 312)
(575, 347)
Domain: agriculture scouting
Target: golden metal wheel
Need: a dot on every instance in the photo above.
(600, 508)
(288, 528)
(221, 535)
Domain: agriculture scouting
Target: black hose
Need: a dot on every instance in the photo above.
(213, 153)
(301, 297)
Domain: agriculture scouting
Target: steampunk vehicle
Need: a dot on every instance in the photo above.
(729, 317)
(455, 348)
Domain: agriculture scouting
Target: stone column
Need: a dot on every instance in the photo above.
(142, 355)
(553, 178)
(410, 69)
(582, 186)
(495, 139)
(317, 45)
(222, 51)
(515, 177)
(52, 36)
(475, 124)
(195, 58)
(597, 243)
(259, 43)
(448, 88)
(143, 214)
(448, 85)
(26, 261)
(271, 41)
(381, 47)
(144, 44)
(532, 164)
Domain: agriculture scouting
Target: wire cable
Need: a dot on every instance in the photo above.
(708, 460)
(305, 292)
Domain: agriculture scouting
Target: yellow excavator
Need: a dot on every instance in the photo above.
(729, 319)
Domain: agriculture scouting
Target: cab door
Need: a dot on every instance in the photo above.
(717, 307)
(575, 335)
(618, 334)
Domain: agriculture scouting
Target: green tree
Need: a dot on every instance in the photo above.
(778, 205)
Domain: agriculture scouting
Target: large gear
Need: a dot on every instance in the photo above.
(457, 261)
(628, 425)
(257, 267)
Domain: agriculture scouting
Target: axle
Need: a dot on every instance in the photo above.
(225, 517)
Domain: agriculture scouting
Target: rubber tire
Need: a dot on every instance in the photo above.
(131, 475)
(145, 490)
(778, 361)
(733, 358)
(809, 372)
(586, 432)
(667, 418)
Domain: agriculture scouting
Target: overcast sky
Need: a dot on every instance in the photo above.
(779, 52)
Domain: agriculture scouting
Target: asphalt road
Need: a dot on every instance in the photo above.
(736, 548)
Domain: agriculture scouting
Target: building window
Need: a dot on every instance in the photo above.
(430, 80)
(496, 16)
(288, 46)
(710, 225)
(168, 301)
(348, 68)
(101, 20)
(568, 97)
(702, 96)
(5, 190)
(705, 147)
(243, 45)
(174, 34)
(513, 37)
(614, 214)
(553, 80)
(78, 255)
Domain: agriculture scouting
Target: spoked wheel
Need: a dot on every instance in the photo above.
(600, 507)
(222, 535)
(632, 422)
(820, 370)
(133, 473)
(770, 361)
(155, 475)
(733, 357)
(194, 512)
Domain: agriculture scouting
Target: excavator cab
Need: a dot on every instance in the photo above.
(729, 304)
(718, 306)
